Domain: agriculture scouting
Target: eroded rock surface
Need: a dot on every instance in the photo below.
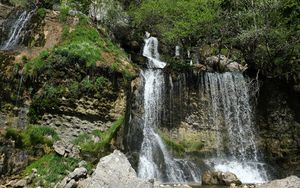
(115, 170)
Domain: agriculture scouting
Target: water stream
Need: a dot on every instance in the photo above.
(15, 30)
(154, 159)
(231, 110)
(224, 102)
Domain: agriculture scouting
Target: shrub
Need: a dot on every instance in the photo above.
(80, 51)
(176, 19)
(41, 12)
(64, 12)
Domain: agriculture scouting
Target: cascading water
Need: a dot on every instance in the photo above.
(15, 30)
(230, 107)
(154, 158)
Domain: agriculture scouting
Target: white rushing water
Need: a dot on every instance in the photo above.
(155, 160)
(151, 52)
(230, 108)
(15, 30)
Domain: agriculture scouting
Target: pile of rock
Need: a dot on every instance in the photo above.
(73, 179)
(20, 183)
(220, 178)
(66, 149)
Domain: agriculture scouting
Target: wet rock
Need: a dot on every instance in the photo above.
(289, 182)
(115, 170)
(278, 121)
(219, 178)
(229, 178)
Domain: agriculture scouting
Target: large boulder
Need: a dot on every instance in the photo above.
(225, 63)
(115, 170)
(219, 178)
(289, 182)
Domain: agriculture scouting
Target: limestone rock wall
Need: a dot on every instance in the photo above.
(278, 121)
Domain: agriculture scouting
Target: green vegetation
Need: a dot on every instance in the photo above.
(51, 169)
(32, 137)
(172, 144)
(176, 20)
(84, 64)
(181, 146)
(83, 44)
(41, 12)
(264, 33)
(98, 148)
(64, 12)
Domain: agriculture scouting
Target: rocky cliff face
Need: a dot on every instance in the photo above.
(278, 123)
(59, 92)
(187, 127)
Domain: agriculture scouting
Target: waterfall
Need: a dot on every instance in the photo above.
(231, 110)
(151, 52)
(154, 158)
(15, 30)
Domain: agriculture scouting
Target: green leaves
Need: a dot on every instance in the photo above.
(176, 19)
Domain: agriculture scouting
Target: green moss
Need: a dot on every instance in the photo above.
(87, 145)
(181, 146)
(51, 169)
(172, 144)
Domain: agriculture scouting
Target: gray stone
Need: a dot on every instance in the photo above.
(115, 170)
(20, 183)
(71, 184)
(219, 178)
(78, 173)
(64, 148)
(289, 182)
(229, 178)
(82, 164)
(62, 183)
(59, 148)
